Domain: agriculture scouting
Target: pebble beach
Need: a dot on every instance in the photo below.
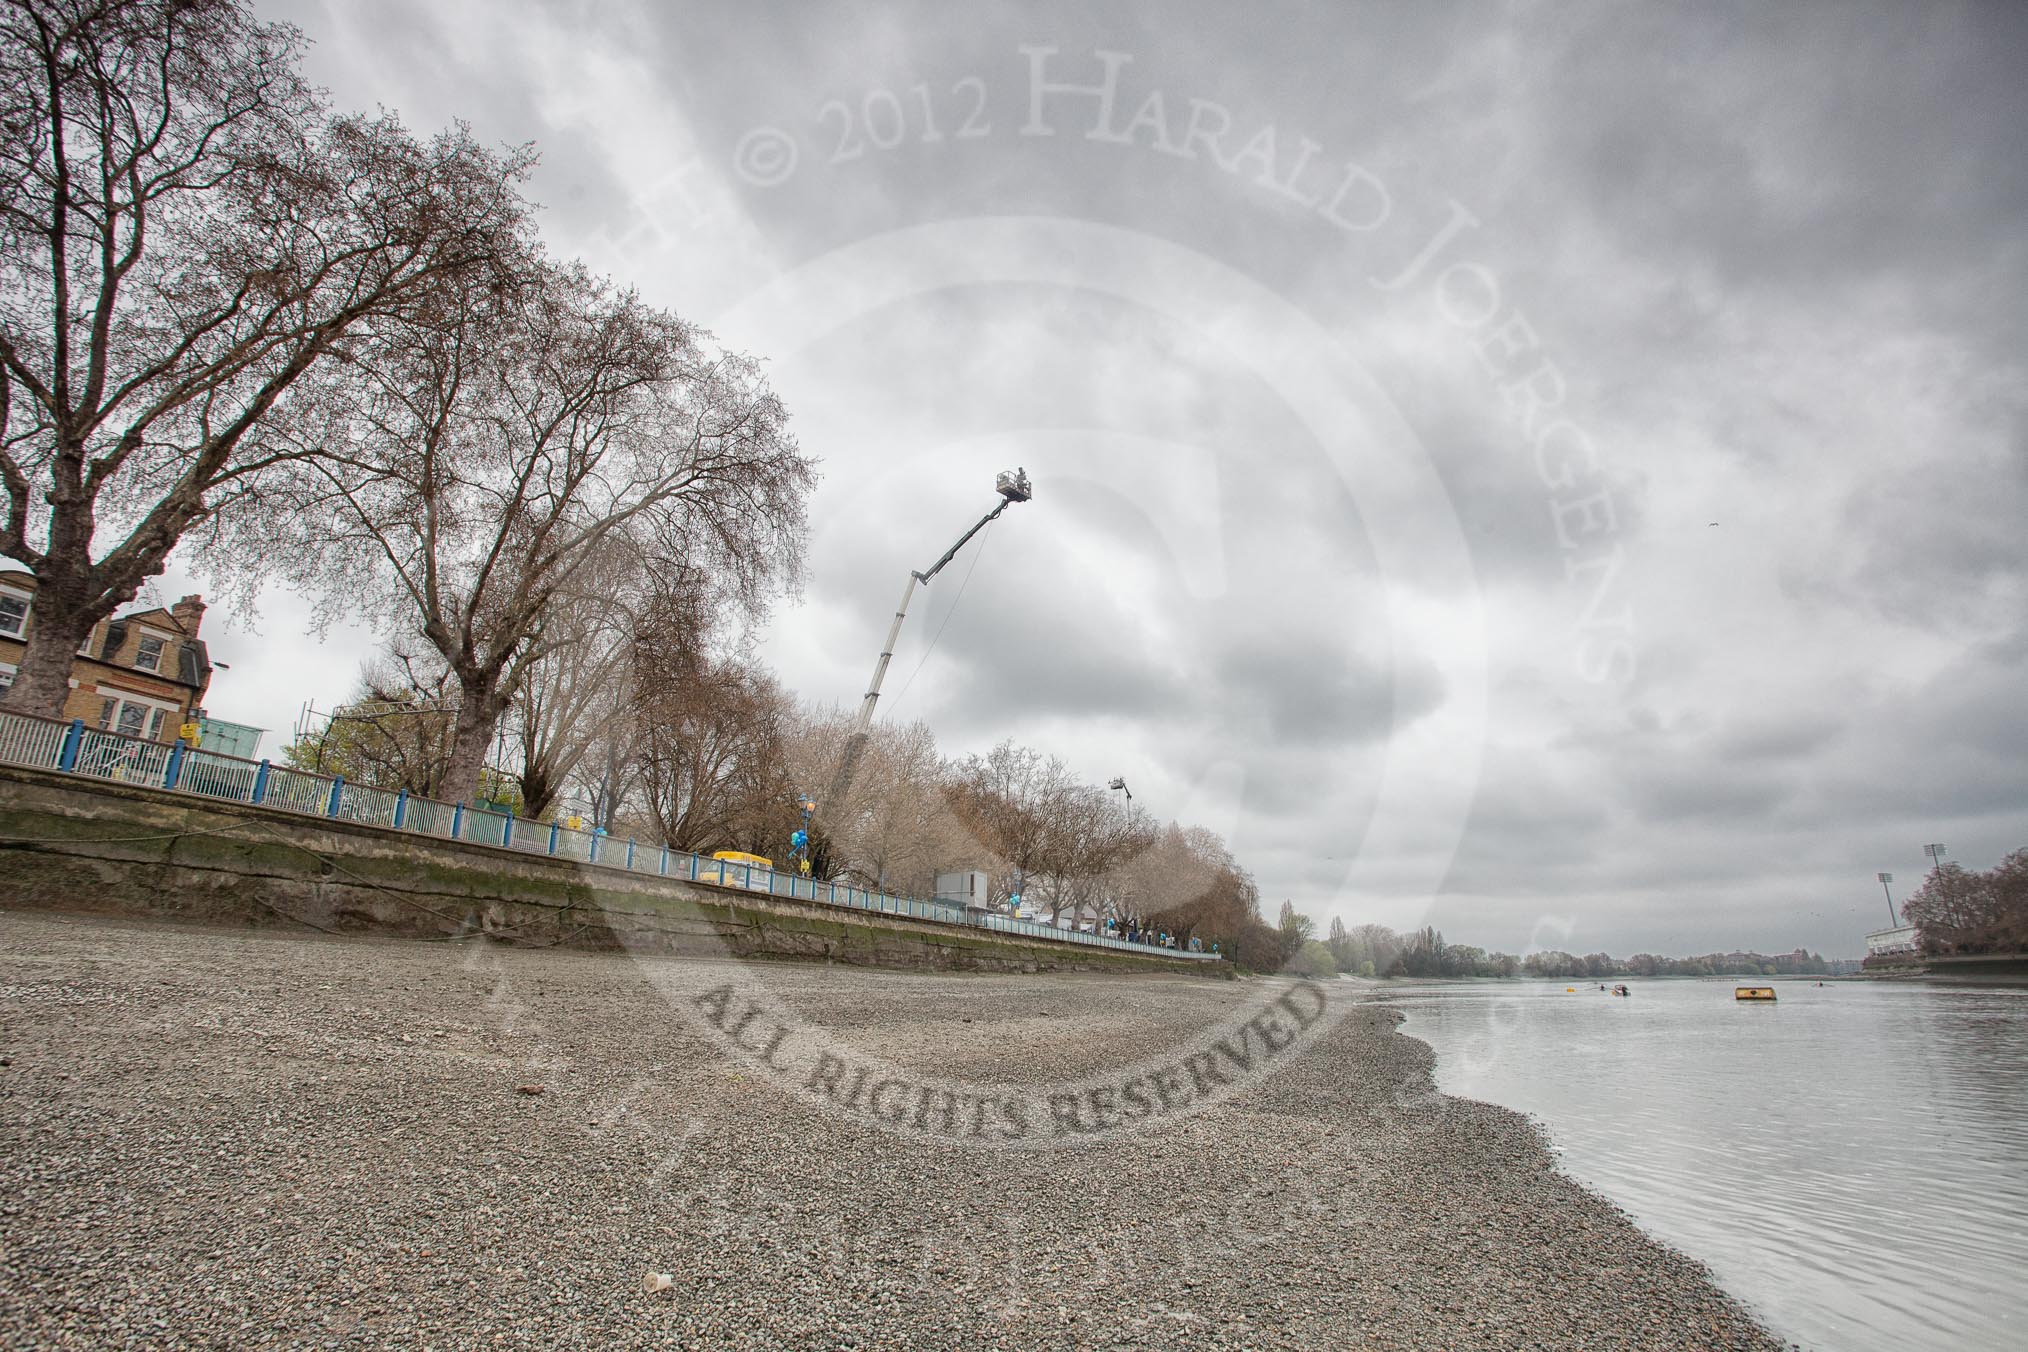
(239, 1139)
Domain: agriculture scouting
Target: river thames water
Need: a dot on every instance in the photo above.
(1851, 1161)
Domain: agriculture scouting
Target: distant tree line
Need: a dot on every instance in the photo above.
(1798, 963)
(1957, 910)
(1377, 951)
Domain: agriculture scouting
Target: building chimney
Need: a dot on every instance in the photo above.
(189, 613)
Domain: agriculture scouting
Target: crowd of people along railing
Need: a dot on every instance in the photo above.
(74, 748)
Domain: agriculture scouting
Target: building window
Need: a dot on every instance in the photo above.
(6, 675)
(149, 657)
(133, 717)
(13, 613)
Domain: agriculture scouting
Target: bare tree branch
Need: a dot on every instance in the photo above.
(185, 235)
(523, 454)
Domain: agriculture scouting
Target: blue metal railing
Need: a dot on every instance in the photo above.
(46, 744)
(215, 776)
(294, 790)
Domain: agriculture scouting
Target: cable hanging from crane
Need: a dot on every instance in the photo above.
(1012, 486)
(963, 583)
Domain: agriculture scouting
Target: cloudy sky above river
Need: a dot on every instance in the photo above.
(1553, 471)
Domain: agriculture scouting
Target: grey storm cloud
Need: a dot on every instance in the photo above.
(1706, 132)
(1769, 258)
(1072, 663)
(1294, 689)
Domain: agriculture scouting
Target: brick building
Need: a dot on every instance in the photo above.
(142, 673)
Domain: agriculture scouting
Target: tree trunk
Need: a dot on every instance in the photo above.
(538, 791)
(479, 710)
(55, 633)
(608, 798)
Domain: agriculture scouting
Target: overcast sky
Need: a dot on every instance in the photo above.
(1552, 471)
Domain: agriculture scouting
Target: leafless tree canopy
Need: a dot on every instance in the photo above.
(1960, 910)
(1011, 799)
(484, 464)
(395, 733)
(185, 232)
(1077, 848)
(573, 701)
(575, 718)
(708, 752)
(895, 827)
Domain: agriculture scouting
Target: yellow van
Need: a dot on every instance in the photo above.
(736, 868)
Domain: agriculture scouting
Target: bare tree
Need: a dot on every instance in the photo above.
(894, 827)
(709, 756)
(571, 700)
(1094, 836)
(1173, 872)
(394, 734)
(1012, 800)
(1961, 910)
(575, 703)
(184, 234)
(1189, 884)
(503, 449)
(607, 779)
(905, 831)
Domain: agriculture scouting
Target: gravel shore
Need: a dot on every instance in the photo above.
(230, 1139)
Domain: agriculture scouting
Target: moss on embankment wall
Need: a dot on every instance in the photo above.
(75, 844)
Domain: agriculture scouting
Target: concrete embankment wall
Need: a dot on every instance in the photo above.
(84, 845)
(2002, 968)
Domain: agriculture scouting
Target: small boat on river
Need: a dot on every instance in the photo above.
(1761, 993)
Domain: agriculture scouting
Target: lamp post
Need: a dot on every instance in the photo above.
(1118, 784)
(799, 841)
(1886, 878)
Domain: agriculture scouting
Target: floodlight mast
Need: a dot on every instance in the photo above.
(1012, 486)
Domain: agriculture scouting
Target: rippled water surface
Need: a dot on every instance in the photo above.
(1851, 1161)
